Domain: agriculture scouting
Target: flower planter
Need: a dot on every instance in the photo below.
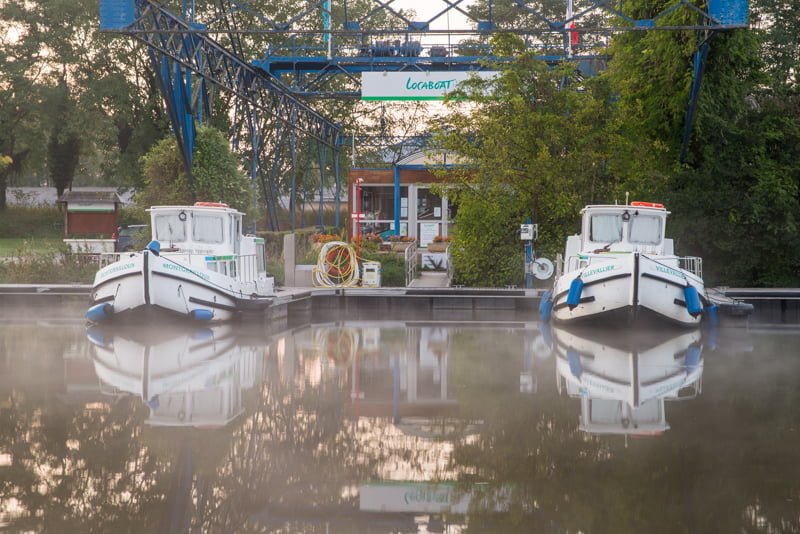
(437, 247)
(401, 246)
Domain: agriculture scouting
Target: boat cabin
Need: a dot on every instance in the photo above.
(211, 231)
(638, 227)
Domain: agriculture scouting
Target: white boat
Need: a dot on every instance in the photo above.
(621, 268)
(199, 265)
(186, 377)
(623, 379)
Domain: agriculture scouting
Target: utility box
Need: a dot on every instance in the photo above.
(371, 274)
(528, 232)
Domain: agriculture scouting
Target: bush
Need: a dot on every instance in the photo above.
(393, 267)
(32, 222)
(50, 267)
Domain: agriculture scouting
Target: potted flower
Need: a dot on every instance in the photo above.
(400, 242)
(439, 244)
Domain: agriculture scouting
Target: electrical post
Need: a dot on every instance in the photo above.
(540, 269)
(527, 233)
(358, 215)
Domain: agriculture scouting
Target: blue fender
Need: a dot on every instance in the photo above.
(574, 360)
(546, 306)
(99, 312)
(693, 304)
(201, 314)
(574, 296)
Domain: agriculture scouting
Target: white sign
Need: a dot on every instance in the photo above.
(429, 497)
(414, 85)
(427, 231)
(436, 261)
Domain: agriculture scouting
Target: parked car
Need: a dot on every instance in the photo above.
(126, 236)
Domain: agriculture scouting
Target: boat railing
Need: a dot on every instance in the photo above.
(693, 264)
(572, 263)
(451, 270)
(410, 259)
(107, 258)
(243, 267)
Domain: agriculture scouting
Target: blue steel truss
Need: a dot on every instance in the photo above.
(265, 112)
(320, 51)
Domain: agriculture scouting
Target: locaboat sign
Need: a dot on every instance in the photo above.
(414, 85)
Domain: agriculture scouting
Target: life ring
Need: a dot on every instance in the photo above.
(639, 204)
(210, 205)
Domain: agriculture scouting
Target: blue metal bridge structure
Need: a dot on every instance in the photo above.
(278, 68)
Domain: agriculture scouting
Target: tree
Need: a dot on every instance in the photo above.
(218, 176)
(64, 145)
(735, 202)
(551, 147)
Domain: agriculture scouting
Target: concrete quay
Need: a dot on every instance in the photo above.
(776, 306)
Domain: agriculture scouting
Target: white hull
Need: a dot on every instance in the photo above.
(144, 282)
(186, 377)
(623, 379)
(628, 288)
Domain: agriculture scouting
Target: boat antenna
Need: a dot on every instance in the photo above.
(626, 197)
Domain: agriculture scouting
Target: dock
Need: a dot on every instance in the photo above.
(738, 306)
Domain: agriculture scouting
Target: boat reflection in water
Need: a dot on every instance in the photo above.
(190, 377)
(624, 378)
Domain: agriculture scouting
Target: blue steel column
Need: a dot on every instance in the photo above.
(699, 68)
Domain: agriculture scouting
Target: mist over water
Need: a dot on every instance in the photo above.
(365, 425)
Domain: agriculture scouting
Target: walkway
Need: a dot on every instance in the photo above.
(430, 279)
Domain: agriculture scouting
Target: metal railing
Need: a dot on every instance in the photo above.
(244, 268)
(410, 258)
(693, 264)
(451, 270)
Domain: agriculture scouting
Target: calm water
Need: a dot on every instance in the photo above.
(397, 426)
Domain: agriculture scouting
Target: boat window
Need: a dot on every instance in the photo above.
(645, 229)
(606, 228)
(170, 227)
(260, 258)
(207, 229)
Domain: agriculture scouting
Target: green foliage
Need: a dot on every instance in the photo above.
(27, 222)
(64, 145)
(486, 250)
(748, 227)
(34, 266)
(546, 148)
(217, 174)
(393, 267)
(133, 215)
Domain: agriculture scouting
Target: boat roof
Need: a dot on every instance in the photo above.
(655, 207)
(219, 207)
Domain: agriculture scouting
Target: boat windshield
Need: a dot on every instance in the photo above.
(170, 227)
(207, 229)
(645, 230)
(606, 228)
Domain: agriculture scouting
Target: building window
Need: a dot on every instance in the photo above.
(377, 205)
(429, 206)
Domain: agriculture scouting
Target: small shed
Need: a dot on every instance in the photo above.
(90, 212)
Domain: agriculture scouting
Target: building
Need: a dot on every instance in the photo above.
(90, 212)
(399, 200)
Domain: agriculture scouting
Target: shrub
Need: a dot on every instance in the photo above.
(57, 266)
(393, 267)
(31, 222)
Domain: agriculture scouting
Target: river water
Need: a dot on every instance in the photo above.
(396, 426)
